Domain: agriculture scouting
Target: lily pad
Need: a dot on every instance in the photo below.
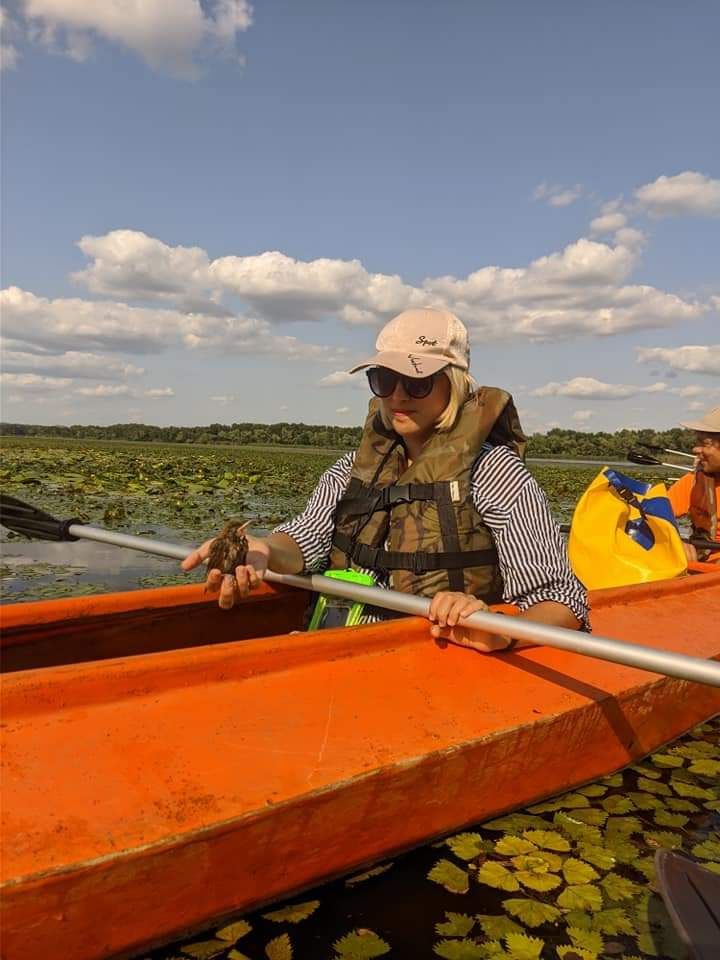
(599, 857)
(496, 875)
(522, 947)
(542, 882)
(464, 949)
(583, 896)
(691, 790)
(205, 949)
(593, 790)
(279, 948)
(468, 846)
(548, 840)
(617, 805)
(663, 838)
(646, 801)
(294, 913)
(368, 874)
(496, 928)
(663, 818)
(651, 786)
(573, 952)
(512, 846)
(592, 815)
(623, 826)
(707, 850)
(361, 945)
(233, 931)
(619, 888)
(587, 939)
(515, 823)
(532, 913)
(666, 760)
(455, 925)
(613, 921)
(450, 876)
(577, 872)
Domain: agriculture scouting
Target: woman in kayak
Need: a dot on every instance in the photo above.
(436, 500)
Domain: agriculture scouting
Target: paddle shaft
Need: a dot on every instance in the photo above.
(602, 648)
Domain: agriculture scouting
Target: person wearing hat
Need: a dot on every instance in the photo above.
(697, 494)
(436, 500)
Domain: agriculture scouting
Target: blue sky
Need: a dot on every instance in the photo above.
(210, 210)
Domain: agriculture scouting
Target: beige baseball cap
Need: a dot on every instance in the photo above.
(419, 342)
(709, 424)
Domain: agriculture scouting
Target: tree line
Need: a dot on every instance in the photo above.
(555, 443)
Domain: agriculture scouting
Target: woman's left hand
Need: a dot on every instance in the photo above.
(448, 609)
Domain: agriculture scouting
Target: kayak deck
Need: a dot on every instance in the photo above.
(161, 791)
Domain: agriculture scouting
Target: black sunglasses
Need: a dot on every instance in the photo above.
(383, 381)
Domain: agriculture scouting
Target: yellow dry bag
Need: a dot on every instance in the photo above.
(624, 531)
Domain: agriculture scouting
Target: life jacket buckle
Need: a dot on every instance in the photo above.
(389, 496)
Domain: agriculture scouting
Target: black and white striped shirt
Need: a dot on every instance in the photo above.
(531, 551)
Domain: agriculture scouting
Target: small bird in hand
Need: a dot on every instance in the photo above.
(229, 549)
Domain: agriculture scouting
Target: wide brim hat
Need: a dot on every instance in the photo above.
(709, 424)
(419, 342)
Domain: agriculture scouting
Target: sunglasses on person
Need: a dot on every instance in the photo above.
(383, 381)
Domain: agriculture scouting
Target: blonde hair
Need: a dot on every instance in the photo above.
(462, 387)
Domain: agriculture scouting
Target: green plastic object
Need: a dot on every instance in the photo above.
(337, 611)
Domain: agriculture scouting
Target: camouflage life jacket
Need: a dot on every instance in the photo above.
(418, 522)
(703, 506)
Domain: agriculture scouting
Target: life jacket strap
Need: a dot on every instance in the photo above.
(375, 558)
(385, 498)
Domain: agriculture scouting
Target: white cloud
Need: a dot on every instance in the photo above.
(608, 223)
(9, 54)
(556, 195)
(686, 194)
(690, 358)
(224, 399)
(695, 405)
(281, 288)
(342, 410)
(582, 416)
(579, 290)
(168, 36)
(33, 382)
(129, 263)
(159, 393)
(691, 391)
(104, 391)
(69, 364)
(72, 324)
(340, 378)
(591, 388)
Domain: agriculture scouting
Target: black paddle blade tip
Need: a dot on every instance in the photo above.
(29, 521)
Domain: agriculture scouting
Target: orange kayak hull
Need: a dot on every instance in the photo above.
(149, 794)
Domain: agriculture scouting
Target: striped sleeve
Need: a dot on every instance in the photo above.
(312, 530)
(531, 551)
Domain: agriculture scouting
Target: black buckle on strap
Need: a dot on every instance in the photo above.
(389, 496)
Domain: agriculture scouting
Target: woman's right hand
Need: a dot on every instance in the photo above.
(233, 587)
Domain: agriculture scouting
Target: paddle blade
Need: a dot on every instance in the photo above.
(30, 522)
(638, 456)
(692, 897)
